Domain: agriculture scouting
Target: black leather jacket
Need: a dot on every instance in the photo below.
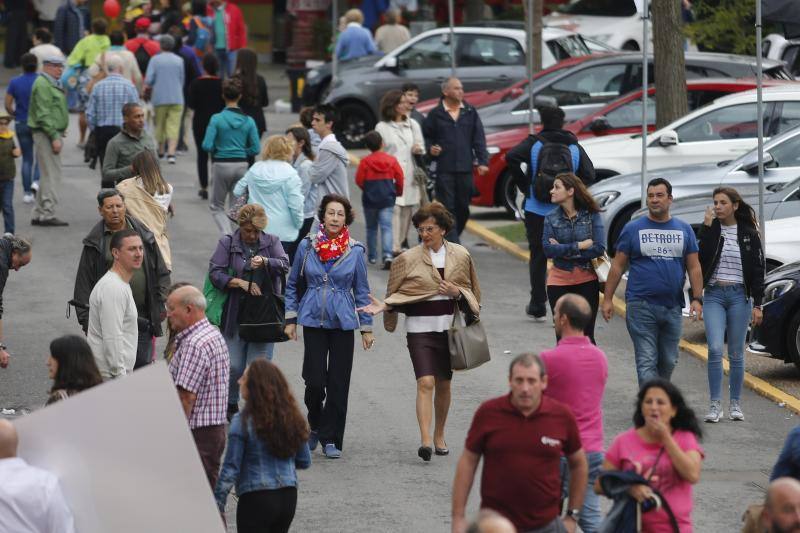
(753, 265)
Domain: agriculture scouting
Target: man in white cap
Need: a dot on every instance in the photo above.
(48, 119)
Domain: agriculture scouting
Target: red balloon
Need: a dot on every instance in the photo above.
(111, 8)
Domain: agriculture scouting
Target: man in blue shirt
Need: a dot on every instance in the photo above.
(355, 41)
(165, 75)
(18, 97)
(660, 250)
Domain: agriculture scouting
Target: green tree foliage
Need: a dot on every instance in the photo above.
(725, 26)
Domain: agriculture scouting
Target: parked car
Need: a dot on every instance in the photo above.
(719, 131)
(616, 23)
(776, 46)
(591, 84)
(486, 58)
(778, 335)
(623, 115)
(620, 196)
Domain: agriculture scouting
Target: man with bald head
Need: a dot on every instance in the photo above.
(454, 137)
(578, 372)
(781, 512)
(30, 498)
(200, 369)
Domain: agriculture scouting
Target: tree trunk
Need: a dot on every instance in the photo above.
(536, 38)
(670, 70)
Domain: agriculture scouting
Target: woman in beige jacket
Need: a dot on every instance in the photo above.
(425, 284)
(402, 138)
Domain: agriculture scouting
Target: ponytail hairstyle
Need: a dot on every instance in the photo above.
(744, 213)
(582, 197)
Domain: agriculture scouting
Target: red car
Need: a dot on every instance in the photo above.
(623, 115)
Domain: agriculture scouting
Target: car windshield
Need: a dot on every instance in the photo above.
(601, 8)
(569, 46)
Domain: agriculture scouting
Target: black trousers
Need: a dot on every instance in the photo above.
(537, 265)
(589, 290)
(454, 190)
(103, 134)
(16, 38)
(327, 364)
(202, 157)
(266, 511)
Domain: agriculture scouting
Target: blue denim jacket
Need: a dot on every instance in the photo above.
(251, 467)
(569, 232)
(332, 291)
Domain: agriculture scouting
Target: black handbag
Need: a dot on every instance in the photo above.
(263, 318)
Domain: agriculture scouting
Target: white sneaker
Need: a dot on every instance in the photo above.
(736, 413)
(714, 412)
(27, 198)
(35, 187)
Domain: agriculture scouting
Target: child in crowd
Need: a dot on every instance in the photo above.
(8, 170)
(380, 176)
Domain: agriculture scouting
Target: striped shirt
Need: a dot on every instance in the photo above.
(201, 365)
(436, 313)
(106, 101)
(729, 268)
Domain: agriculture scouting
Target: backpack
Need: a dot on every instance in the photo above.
(202, 36)
(548, 160)
(142, 58)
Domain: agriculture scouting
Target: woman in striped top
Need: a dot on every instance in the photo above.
(733, 276)
(426, 283)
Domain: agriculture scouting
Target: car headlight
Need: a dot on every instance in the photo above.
(605, 198)
(776, 289)
(492, 150)
(312, 75)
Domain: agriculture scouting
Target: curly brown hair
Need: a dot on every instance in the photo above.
(349, 214)
(273, 410)
(437, 211)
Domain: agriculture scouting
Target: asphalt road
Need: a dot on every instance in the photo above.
(379, 484)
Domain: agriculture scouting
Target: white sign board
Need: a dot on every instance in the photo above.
(124, 456)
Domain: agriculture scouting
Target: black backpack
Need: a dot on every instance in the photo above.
(142, 58)
(548, 160)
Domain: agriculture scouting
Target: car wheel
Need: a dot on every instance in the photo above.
(355, 120)
(631, 45)
(509, 196)
(616, 226)
(793, 340)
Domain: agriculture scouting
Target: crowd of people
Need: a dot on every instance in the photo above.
(286, 258)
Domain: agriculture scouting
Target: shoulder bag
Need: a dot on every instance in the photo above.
(216, 298)
(263, 318)
(602, 266)
(468, 345)
(301, 284)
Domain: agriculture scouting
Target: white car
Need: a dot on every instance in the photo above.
(775, 46)
(721, 131)
(613, 22)
(782, 241)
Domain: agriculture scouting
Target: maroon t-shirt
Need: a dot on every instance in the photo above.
(521, 458)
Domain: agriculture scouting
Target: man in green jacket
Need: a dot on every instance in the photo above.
(125, 145)
(48, 119)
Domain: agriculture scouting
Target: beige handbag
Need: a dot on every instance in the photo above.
(602, 266)
(468, 345)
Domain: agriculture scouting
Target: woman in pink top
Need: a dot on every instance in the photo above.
(663, 447)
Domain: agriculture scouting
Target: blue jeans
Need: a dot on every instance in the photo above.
(241, 354)
(655, 331)
(591, 515)
(30, 170)
(7, 204)
(726, 308)
(227, 61)
(379, 218)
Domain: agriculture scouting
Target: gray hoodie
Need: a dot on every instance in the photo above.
(329, 171)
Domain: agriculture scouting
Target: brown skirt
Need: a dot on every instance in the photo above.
(430, 354)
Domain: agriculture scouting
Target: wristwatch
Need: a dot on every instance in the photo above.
(575, 514)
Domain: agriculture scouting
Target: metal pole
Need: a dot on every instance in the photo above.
(450, 10)
(529, 44)
(760, 113)
(645, 45)
(334, 28)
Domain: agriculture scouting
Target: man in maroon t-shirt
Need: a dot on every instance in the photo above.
(522, 437)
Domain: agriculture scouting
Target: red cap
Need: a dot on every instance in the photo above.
(143, 23)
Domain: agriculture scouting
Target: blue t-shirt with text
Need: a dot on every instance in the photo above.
(20, 88)
(657, 253)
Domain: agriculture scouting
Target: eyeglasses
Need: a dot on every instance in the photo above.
(426, 229)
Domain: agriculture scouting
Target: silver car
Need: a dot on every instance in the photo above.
(620, 196)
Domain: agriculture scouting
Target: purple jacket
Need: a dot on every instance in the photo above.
(230, 254)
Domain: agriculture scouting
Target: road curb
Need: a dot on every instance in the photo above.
(700, 351)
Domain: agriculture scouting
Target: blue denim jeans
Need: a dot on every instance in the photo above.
(591, 515)
(7, 204)
(655, 331)
(241, 354)
(726, 308)
(375, 219)
(227, 61)
(30, 170)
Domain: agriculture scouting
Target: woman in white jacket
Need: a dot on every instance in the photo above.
(402, 138)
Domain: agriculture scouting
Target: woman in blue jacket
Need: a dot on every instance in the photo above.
(572, 237)
(267, 442)
(327, 283)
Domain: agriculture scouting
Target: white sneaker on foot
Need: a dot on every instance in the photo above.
(714, 412)
(27, 198)
(736, 413)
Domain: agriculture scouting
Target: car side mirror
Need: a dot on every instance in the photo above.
(751, 166)
(391, 63)
(599, 125)
(668, 138)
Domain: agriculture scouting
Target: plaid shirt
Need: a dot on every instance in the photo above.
(106, 101)
(201, 365)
